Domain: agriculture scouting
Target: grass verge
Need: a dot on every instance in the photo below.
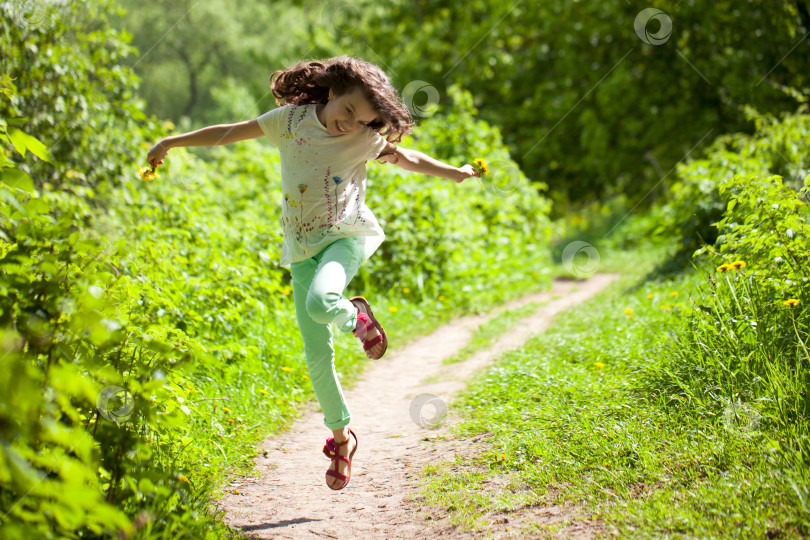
(570, 421)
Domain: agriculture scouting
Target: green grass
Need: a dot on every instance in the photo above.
(574, 416)
(488, 333)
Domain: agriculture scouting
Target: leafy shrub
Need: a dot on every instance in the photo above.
(747, 340)
(778, 147)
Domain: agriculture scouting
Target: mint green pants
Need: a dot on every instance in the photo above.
(318, 284)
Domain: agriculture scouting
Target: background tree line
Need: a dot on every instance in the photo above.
(585, 104)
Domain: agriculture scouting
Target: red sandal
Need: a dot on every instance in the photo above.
(366, 321)
(331, 450)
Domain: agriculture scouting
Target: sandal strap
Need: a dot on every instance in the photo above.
(363, 325)
(367, 344)
(333, 474)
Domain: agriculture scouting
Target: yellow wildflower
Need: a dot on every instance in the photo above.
(724, 268)
(674, 293)
(791, 302)
(278, 402)
(649, 295)
(481, 165)
(183, 478)
(286, 292)
(306, 377)
(263, 391)
(148, 173)
(226, 409)
(230, 420)
(738, 264)
(393, 309)
(628, 311)
(406, 290)
(599, 364)
(287, 369)
(441, 298)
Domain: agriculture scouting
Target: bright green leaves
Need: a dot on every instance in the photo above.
(23, 142)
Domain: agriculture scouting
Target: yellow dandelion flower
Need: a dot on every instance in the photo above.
(724, 268)
(148, 173)
(235, 492)
(287, 369)
(263, 392)
(183, 478)
(791, 302)
(667, 307)
(674, 293)
(738, 264)
(441, 298)
(278, 402)
(502, 456)
(481, 165)
(306, 377)
(393, 309)
(628, 311)
(649, 295)
(406, 290)
(286, 292)
(230, 420)
(226, 409)
(599, 364)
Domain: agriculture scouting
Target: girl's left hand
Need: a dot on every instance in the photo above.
(467, 171)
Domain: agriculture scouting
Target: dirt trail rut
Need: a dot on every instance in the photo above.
(291, 499)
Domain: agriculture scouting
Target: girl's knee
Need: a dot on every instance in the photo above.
(322, 307)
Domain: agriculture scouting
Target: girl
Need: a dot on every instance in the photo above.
(333, 116)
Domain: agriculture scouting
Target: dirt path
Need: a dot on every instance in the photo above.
(291, 499)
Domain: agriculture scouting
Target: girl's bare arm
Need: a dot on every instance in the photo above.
(413, 160)
(207, 136)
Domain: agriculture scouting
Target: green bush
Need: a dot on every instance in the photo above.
(747, 340)
(694, 205)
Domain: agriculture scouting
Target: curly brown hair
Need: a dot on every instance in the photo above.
(310, 81)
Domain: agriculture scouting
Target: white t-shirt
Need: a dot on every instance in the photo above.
(323, 182)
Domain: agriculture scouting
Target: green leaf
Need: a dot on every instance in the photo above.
(16, 178)
(23, 141)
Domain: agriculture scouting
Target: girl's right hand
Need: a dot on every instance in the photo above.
(157, 153)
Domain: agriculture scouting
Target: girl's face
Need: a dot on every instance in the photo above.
(347, 113)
